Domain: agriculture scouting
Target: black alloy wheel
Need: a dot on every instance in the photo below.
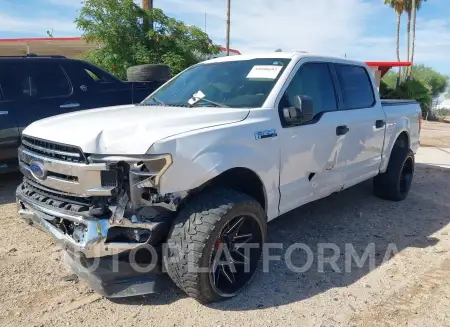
(236, 254)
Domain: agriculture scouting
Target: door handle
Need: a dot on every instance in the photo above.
(4, 112)
(69, 105)
(380, 123)
(342, 130)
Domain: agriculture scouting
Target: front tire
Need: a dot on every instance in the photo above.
(206, 255)
(395, 183)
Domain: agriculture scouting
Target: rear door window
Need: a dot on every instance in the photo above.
(45, 80)
(356, 87)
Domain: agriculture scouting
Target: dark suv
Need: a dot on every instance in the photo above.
(36, 87)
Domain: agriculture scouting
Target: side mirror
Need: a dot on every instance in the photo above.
(302, 111)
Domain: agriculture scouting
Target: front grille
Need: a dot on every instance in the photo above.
(54, 150)
(109, 178)
(54, 198)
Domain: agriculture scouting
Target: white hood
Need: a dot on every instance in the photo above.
(129, 129)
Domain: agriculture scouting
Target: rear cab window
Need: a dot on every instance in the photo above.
(356, 87)
(91, 75)
(96, 76)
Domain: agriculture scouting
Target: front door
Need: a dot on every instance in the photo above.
(310, 152)
(363, 146)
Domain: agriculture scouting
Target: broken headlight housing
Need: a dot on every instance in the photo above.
(144, 170)
(147, 173)
(137, 180)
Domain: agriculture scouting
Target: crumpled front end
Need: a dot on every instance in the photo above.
(105, 211)
(93, 206)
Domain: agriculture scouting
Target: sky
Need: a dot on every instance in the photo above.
(358, 29)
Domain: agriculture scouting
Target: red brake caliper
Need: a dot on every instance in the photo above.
(217, 245)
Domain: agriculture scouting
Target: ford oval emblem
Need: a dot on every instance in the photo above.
(38, 170)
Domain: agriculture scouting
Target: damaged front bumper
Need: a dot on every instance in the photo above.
(115, 278)
(91, 237)
(112, 269)
(104, 210)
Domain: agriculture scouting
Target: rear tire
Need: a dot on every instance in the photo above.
(211, 223)
(395, 183)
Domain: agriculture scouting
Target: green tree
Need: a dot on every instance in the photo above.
(390, 79)
(435, 82)
(426, 86)
(121, 30)
(409, 89)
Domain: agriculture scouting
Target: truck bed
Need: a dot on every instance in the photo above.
(401, 115)
(394, 102)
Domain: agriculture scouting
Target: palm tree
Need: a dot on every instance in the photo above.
(398, 6)
(415, 5)
(408, 5)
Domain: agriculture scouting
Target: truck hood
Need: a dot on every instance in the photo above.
(128, 129)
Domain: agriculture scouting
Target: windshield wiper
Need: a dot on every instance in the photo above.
(216, 104)
(199, 96)
(157, 102)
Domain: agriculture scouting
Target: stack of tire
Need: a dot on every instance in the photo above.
(148, 73)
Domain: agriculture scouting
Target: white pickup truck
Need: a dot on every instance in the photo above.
(193, 174)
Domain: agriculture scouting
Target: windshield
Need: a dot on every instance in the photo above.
(236, 84)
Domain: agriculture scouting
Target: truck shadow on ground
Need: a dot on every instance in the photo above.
(354, 216)
(8, 185)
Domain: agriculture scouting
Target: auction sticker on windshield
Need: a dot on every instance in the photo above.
(265, 71)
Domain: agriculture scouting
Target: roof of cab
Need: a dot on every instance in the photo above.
(287, 55)
(282, 55)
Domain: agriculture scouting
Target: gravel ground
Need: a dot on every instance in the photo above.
(411, 288)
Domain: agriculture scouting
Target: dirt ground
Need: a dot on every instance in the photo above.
(412, 288)
(435, 134)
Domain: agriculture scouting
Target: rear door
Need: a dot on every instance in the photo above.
(363, 145)
(95, 88)
(9, 133)
(45, 91)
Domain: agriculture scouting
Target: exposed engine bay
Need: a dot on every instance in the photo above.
(136, 198)
(135, 210)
